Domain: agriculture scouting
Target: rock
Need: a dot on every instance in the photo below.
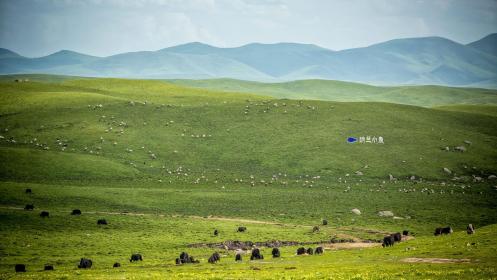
(492, 177)
(391, 178)
(461, 149)
(356, 211)
(446, 170)
(413, 177)
(446, 149)
(385, 214)
(397, 218)
(359, 173)
(467, 142)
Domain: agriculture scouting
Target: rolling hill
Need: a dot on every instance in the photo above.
(167, 164)
(429, 60)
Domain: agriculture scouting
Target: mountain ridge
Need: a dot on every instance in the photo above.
(424, 60)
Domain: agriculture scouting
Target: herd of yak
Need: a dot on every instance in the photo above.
(184, 258)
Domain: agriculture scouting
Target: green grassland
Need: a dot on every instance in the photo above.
(166, 164)
(426, 96)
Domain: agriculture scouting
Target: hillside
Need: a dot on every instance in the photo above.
(426, 96)
(409, 61)
(166, 164)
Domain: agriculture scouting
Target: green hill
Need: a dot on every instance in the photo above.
(426, 96)
(166, 164)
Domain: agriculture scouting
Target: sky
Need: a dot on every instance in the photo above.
(106, 27)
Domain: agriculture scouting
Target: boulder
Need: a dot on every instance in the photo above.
(385, 214)
(356, 211)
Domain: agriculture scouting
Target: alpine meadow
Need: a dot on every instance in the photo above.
(260, 161)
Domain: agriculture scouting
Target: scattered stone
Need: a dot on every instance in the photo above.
(385, 214)
(356, 211)
(446, 170)
(461, 149)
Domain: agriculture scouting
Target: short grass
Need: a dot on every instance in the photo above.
(176, 158)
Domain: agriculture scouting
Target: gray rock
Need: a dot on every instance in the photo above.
(446, 170)
(356, 211)
(385, 214)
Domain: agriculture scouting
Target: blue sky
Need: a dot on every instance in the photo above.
(106, 27)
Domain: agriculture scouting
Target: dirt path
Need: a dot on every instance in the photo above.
(435, 260)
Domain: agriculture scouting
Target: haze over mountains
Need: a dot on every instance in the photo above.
(429, 60)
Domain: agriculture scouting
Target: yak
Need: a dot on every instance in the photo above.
(276, 253)
(101, 222)
(242, 229)
(44, 214)
(116, 265)
(48, 267)
(85, 263)
(214, 258)
(135, 258)
(319, 251)
(238, 257)
(256, 255)
(301, 251)
(76, 212)
(388, 241)
(29, 207)
(20, 268)
(397, 237)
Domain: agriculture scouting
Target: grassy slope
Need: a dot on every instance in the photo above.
(427, 96)
(294, 139)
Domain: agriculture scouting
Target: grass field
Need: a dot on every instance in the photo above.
(166, 164)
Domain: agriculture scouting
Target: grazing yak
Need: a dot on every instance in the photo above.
(315, 229)
(135, 258)
(116, 265)
(48, 267)
(325, 222)
(185, 258)
(275, 252)
(301, 251)
(85, 263)
(241, 229)
(20, 268)
(256, 254)
(310, 251)
(238, 257)
(388, 241)
(76, 212)
(216, 232)
(397, 237)
(214, 258)
(470, 229)
(44, 214)
(445, 230)
(319, 250)
(29, 207)
(102, 222)
(29, 191)
(405, 233)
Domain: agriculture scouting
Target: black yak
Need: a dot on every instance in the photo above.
(310, 251)
(405, 233)
(397, 237)
(470, 229)
(319, 250)
(29, 207)
(242, 229)
(116, 265)
(135, 258)
(301, 251)
(214, 258)
(275, 252)
(48, 267)
(20, 268)
(238, 257)
(388, 241)
(216, 232)
(29, 191)
(256, 254)
(76, 212)
(44, 214)
(101, 222)
(85, 263)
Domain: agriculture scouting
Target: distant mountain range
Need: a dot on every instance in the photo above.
(428, 60)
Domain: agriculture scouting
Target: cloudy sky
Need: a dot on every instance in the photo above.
(106, 27)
